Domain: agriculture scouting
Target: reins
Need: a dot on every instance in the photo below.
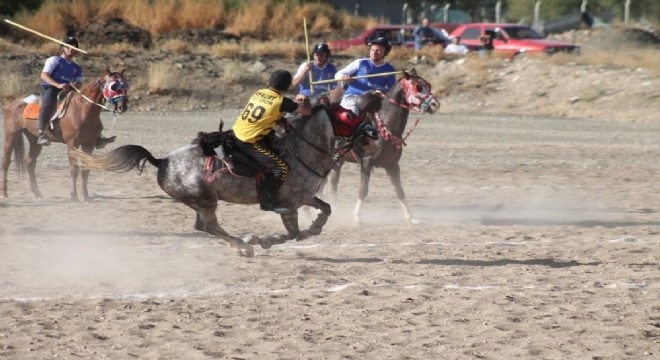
(380, 124)
(336, 155)
(104, 107)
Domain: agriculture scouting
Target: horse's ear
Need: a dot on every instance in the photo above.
(222, 124)
(108, 72)
(406, 74)
(121, 73)
(413, 72)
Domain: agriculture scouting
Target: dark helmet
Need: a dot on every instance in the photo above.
(321, 48)
(382, 41)
(280, 80)
(71, 41)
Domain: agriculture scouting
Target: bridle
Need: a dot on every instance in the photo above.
(418, 97)
(114, 91)
(414, 100)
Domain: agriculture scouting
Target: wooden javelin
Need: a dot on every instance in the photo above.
(357, 77)
(43, 36)
(311, 85)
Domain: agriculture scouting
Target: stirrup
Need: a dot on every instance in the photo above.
(43, 140)
(278, 208)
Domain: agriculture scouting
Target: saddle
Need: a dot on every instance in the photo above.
(31, 111)
(223, 156)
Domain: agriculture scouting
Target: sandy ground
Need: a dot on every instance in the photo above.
(539, 240)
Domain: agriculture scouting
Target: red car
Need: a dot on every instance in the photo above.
(510, 38)
(399, 35)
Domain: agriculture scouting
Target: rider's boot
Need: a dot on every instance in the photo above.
(101, 141)
(43, 139)
(269, 189)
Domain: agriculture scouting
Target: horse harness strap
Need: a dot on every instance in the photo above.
(293, 130)
(90, 100)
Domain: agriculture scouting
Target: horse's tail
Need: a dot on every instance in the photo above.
(121, 159)
(19, 154)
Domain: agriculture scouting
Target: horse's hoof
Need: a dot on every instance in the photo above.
(266, 243)
(315, 230)
(252, 240)
(303, 235)
(246, 251)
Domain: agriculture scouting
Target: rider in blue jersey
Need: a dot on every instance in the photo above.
(374, 64)
(60, 73)
(321, 69)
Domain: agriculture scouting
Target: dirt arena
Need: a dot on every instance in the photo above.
(539, 240)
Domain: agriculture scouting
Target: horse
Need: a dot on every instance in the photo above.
(390, 114)
(80, 126)
(188, 176)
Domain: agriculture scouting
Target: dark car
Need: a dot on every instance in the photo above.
(510, 38)
(399, 35)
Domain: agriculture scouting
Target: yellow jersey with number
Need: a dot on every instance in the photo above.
(258, 116)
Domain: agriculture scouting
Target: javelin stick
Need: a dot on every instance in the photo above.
(43, 36)
(358, 77)
(311, 85)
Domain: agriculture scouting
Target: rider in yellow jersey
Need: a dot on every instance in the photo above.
(264, 109)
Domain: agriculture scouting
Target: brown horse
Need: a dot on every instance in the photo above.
(389, 113)
(79, 127)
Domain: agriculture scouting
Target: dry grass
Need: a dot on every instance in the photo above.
(14, 86)
(177, 46)
(7, 47)
(627, 57)
(233, 72)
(263, 19)
(225, 49)
(116, 48)
(286, 49)
(161, 78)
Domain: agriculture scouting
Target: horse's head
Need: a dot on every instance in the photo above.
(115, 90)
(418, 93)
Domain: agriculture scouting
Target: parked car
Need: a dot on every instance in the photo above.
(510, 38)
(399, 35)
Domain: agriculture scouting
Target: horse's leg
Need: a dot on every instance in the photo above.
(31, 165)
(207, 221)
(334, 181)
(320, 221)
(74, 170)
(366, 166)
(84, 174)
(394, 173)
(290, 221)
(6, 160)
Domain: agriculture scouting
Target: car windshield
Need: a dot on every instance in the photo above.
(521, 32)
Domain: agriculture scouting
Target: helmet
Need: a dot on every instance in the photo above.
(280, 80)
(71, 41)
(382, 41)
(320, 48)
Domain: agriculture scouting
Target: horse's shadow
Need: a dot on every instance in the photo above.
(552, 263)
(103, 233)
(582, 223)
